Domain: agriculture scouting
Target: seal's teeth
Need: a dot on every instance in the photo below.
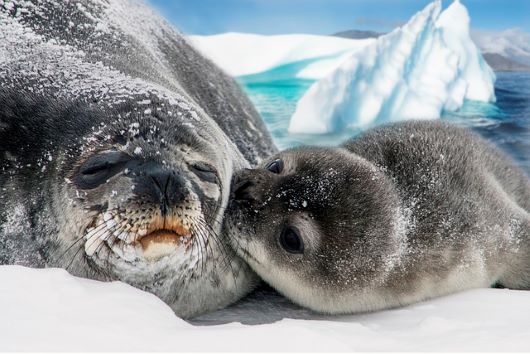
(107, 216)
(142, 232)
(92, 245)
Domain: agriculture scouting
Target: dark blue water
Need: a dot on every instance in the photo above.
(505, 122)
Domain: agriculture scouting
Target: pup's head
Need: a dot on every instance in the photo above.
(315, 223)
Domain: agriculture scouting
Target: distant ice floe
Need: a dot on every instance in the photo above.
(241, 54)
(415, 72)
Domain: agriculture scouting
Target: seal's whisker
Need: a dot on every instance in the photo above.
(74, 257)
(97, 236)
(195, 246)
(70, 247)
(220, 223)
(214, 233)
(200, 242)
(204, 251)
(211, 233)
(223, 248)
(204, 237)
(97, 227)
(199, 248)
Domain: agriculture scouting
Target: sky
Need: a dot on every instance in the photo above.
(207, 17)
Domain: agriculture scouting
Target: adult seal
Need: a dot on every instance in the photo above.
(118, 143)
(397, 215)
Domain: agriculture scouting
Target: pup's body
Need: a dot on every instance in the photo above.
(397, 215)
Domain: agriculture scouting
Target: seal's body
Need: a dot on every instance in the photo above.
(118, 142)
(402, 213)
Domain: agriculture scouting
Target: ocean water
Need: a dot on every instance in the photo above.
(505, 122)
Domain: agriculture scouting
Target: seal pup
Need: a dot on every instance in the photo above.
(117, 145)
(399, 214)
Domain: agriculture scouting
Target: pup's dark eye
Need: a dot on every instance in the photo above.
(205, 172)
(99, 168)
(291, 241)
(275, 166)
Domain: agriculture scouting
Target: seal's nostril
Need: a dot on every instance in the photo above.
(241, 190)
(160, 186)
(161, 181)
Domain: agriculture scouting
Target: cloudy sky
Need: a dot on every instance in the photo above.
(326, 16)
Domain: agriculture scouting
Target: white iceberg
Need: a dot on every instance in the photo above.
(241, 54)
(415, 72)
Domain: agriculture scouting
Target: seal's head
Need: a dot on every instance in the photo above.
(145, 189)
(313, 223)
(131, 193)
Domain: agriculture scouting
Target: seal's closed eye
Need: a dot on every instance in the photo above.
(98, 168)
(206, 172)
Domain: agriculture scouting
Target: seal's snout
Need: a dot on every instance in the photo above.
(161, 186)
(160, 217)
(168, 188)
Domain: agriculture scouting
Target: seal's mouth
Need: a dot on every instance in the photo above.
(162, 242)
(150, 240)
(160, 236)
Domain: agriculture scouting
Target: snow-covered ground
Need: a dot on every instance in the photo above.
(50, 310)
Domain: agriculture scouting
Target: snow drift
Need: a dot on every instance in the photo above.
(50, 310)
(415, 72)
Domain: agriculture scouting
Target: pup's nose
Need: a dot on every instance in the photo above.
(243, 186)
(242, 191)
